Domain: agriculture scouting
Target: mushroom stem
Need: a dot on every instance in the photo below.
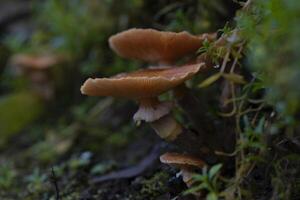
(152, 109)
(188, 141)
(167, 128)
(187, 176)
(186, 163)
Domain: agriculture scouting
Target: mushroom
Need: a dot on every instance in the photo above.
(145, 86)
(36, 68)
(186, 164)
(155, 46)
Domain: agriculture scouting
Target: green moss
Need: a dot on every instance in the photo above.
(153, 187)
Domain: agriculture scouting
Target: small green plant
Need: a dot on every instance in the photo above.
(207, 181)
(36, 181)
(7, 176)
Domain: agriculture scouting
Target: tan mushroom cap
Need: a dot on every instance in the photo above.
(38, 62)
(141, 84)
(154, 46)
(182, 160)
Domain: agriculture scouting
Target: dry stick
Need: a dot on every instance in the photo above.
(247, 4)
(236, 58)
(226, 59)
(133, 171)
(54, 181)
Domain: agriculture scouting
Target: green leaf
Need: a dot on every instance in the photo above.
(195, 189)
(212, 196)
(236, 78)
(198, 177)
(210, 80)
(260, 127)
(215, 169)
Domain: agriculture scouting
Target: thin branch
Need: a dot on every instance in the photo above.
(54, 181)
(225, 61)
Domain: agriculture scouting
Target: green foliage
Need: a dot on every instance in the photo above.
(235, 78)
(153, 187)
(83, 160)
(195, 18)
(102, 168)
(49, 149)
(72, 25)
(271, 27)
(210, 80)
(36, 181)
(7, 176)
(207, 181)
(252, 134)
(18, 111)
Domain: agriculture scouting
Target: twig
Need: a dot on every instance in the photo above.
(225, 61)
(252, 110)
(236, 58)
(54, 181)
(247, 4)
(134, 171)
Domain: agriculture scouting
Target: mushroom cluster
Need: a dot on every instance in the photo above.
(144, 86)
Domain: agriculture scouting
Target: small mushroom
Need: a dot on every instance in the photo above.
(155, 46)
(36, 68)
(186, 164)
(144, 86)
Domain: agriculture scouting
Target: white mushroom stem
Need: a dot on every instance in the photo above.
(167, 128)
(151, 109)
(187, 176)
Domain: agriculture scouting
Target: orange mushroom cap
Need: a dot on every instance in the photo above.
(141, 84)
(186, 163)
(154, 46)
(181, 160)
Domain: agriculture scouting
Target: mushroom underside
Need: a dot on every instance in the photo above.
(150, 113)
